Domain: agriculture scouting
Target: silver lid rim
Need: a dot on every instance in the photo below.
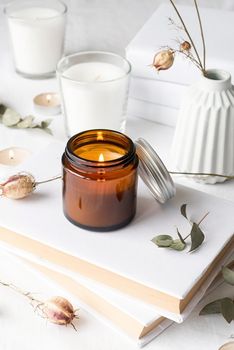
(154, 173)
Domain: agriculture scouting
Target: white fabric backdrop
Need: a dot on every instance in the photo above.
(111, 24)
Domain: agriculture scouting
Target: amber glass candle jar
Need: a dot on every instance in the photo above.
(100, 180)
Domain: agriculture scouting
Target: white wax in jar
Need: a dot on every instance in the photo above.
(95, 96)
(37, 35)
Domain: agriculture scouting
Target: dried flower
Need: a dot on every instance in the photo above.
(22, 185)
(58, 310)
(185, 46)
(163, 60)
(18, 186)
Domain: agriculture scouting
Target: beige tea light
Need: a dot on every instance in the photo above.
(47, 103)
(13, 156)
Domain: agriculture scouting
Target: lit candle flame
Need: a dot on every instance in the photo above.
(99, 136)
(101, 158)
(48, 98)
(11, 154)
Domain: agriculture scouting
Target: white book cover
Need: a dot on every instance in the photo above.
(154, 112)
(157, 33)
(161, 93)
(45, 288)
(123, 310)
(133, 309)
(127, 255)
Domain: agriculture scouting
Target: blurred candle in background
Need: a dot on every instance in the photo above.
(37, 35)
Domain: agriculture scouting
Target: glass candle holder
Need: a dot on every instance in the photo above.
(100, 180)
(37, 34)
(94, 89)
(100, 169)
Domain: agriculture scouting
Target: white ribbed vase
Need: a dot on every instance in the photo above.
(204, 136)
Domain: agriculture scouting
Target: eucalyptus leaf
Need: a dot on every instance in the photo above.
(227, 309)
(162, 241)
(180, 237)
(26, 122)
(212, 308)
(10, 117)
(178, 245)
(45, 123)
(197, 237)
(183, 210)
(228, 275)
(2, 109)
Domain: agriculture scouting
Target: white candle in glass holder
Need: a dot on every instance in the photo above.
(37, 35)
(94, 92)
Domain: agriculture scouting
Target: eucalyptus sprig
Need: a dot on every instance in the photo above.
(13, 119)
(224, 306)
(196, 235)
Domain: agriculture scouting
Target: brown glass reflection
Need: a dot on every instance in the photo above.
(100, 180)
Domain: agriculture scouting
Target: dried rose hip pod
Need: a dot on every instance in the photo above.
(58, 310)
(185, 46)
(18, 186)
(163, 60)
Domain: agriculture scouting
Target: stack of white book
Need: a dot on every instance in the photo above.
(121, 276)
(157, 96)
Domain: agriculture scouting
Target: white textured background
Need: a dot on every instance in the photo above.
(111, 24)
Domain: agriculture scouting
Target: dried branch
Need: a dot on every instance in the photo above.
(202, 35)
(189, 36)
(230, 177)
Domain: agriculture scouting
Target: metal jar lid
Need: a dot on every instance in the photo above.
(153, 172)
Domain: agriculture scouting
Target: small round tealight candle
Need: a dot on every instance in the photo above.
(13, 156)
(47, 103)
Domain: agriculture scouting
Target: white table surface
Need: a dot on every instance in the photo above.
(20, 328)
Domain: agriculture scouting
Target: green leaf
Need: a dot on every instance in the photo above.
(10, 117)
(162, 241)
(178, 245)
(212, 308)
(183, 211)
(26, 122)
(197, 237)
(45, 123)
(227, 309)
(2, 109)
(180, 237)
(228, 275)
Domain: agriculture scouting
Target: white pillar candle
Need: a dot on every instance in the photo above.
(37, 34)
(94, 88)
